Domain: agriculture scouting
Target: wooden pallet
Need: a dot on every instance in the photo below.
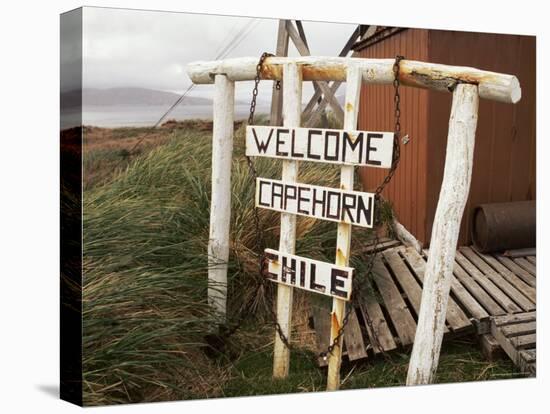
(483, 286)
(516, 334)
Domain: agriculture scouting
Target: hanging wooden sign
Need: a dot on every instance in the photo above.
(331, 146)
(352, 207)
(308, 274)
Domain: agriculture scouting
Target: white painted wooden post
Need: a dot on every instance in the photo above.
(292, 110)
(343, 241)
(439, 269)
(220, 207)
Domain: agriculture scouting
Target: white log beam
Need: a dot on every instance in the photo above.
(491, 85)
(343, 240)
(405, 236)
(450, 207)
(220, 207)
(292, 110)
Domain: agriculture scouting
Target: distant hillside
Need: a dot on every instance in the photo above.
(131, 97)
(135, 96)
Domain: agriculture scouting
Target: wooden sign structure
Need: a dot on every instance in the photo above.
(466, 84)
(344, 206)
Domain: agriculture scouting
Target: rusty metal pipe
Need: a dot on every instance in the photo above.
(504, 226)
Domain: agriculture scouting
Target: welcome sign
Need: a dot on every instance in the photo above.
(331, 146)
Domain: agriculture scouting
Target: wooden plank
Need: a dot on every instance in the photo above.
(323, 85)
(515, 294)
(302, 33)
(490, 347)
(382, 245)
(317, 96)
(529, 355)
(330, 146)
(292, 96)
(469, 300)
(326, 203)
(533, 260)
(353, 338)
(476, 289)
(308, 274)
(519, 329)
(524, 341)
(343, 233)
(527, 361)
(506, 345)
(455, 316)
(396, 307)
(515, 346)
(382, 336)
(499, 296)
(506, 266)
(530, 267)
(321, 322)
(505, 320)
(407, 281)
(526, 288)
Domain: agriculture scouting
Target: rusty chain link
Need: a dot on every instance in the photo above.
(356, 288)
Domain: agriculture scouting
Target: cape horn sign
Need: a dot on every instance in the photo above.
(353, 207)
(332, 146)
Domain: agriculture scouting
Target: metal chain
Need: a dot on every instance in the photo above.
(251, 167)
(254, 174)
(356, 290)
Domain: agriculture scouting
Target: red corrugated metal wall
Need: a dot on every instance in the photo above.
(504, 160)
(504, 157)
(407, 190)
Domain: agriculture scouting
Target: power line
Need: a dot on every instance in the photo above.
(233, 43)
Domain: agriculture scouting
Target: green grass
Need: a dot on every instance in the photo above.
(145, 279)
(460, 361)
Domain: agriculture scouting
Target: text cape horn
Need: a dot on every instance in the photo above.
(341, 206)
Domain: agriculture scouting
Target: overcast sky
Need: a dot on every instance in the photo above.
(134, 48)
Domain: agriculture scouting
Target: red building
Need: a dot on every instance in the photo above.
(504, 161)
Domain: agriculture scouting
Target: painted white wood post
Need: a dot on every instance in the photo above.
(439, 269)
(292, 110)
(343, 241)
(220, 206)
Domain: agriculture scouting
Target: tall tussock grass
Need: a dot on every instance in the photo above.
(145, 311)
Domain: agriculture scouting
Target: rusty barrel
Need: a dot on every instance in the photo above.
(504, 226)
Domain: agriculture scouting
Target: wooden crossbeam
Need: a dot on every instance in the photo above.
(316, 88)
(322, 85)
(317, 98)
(309, 118)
